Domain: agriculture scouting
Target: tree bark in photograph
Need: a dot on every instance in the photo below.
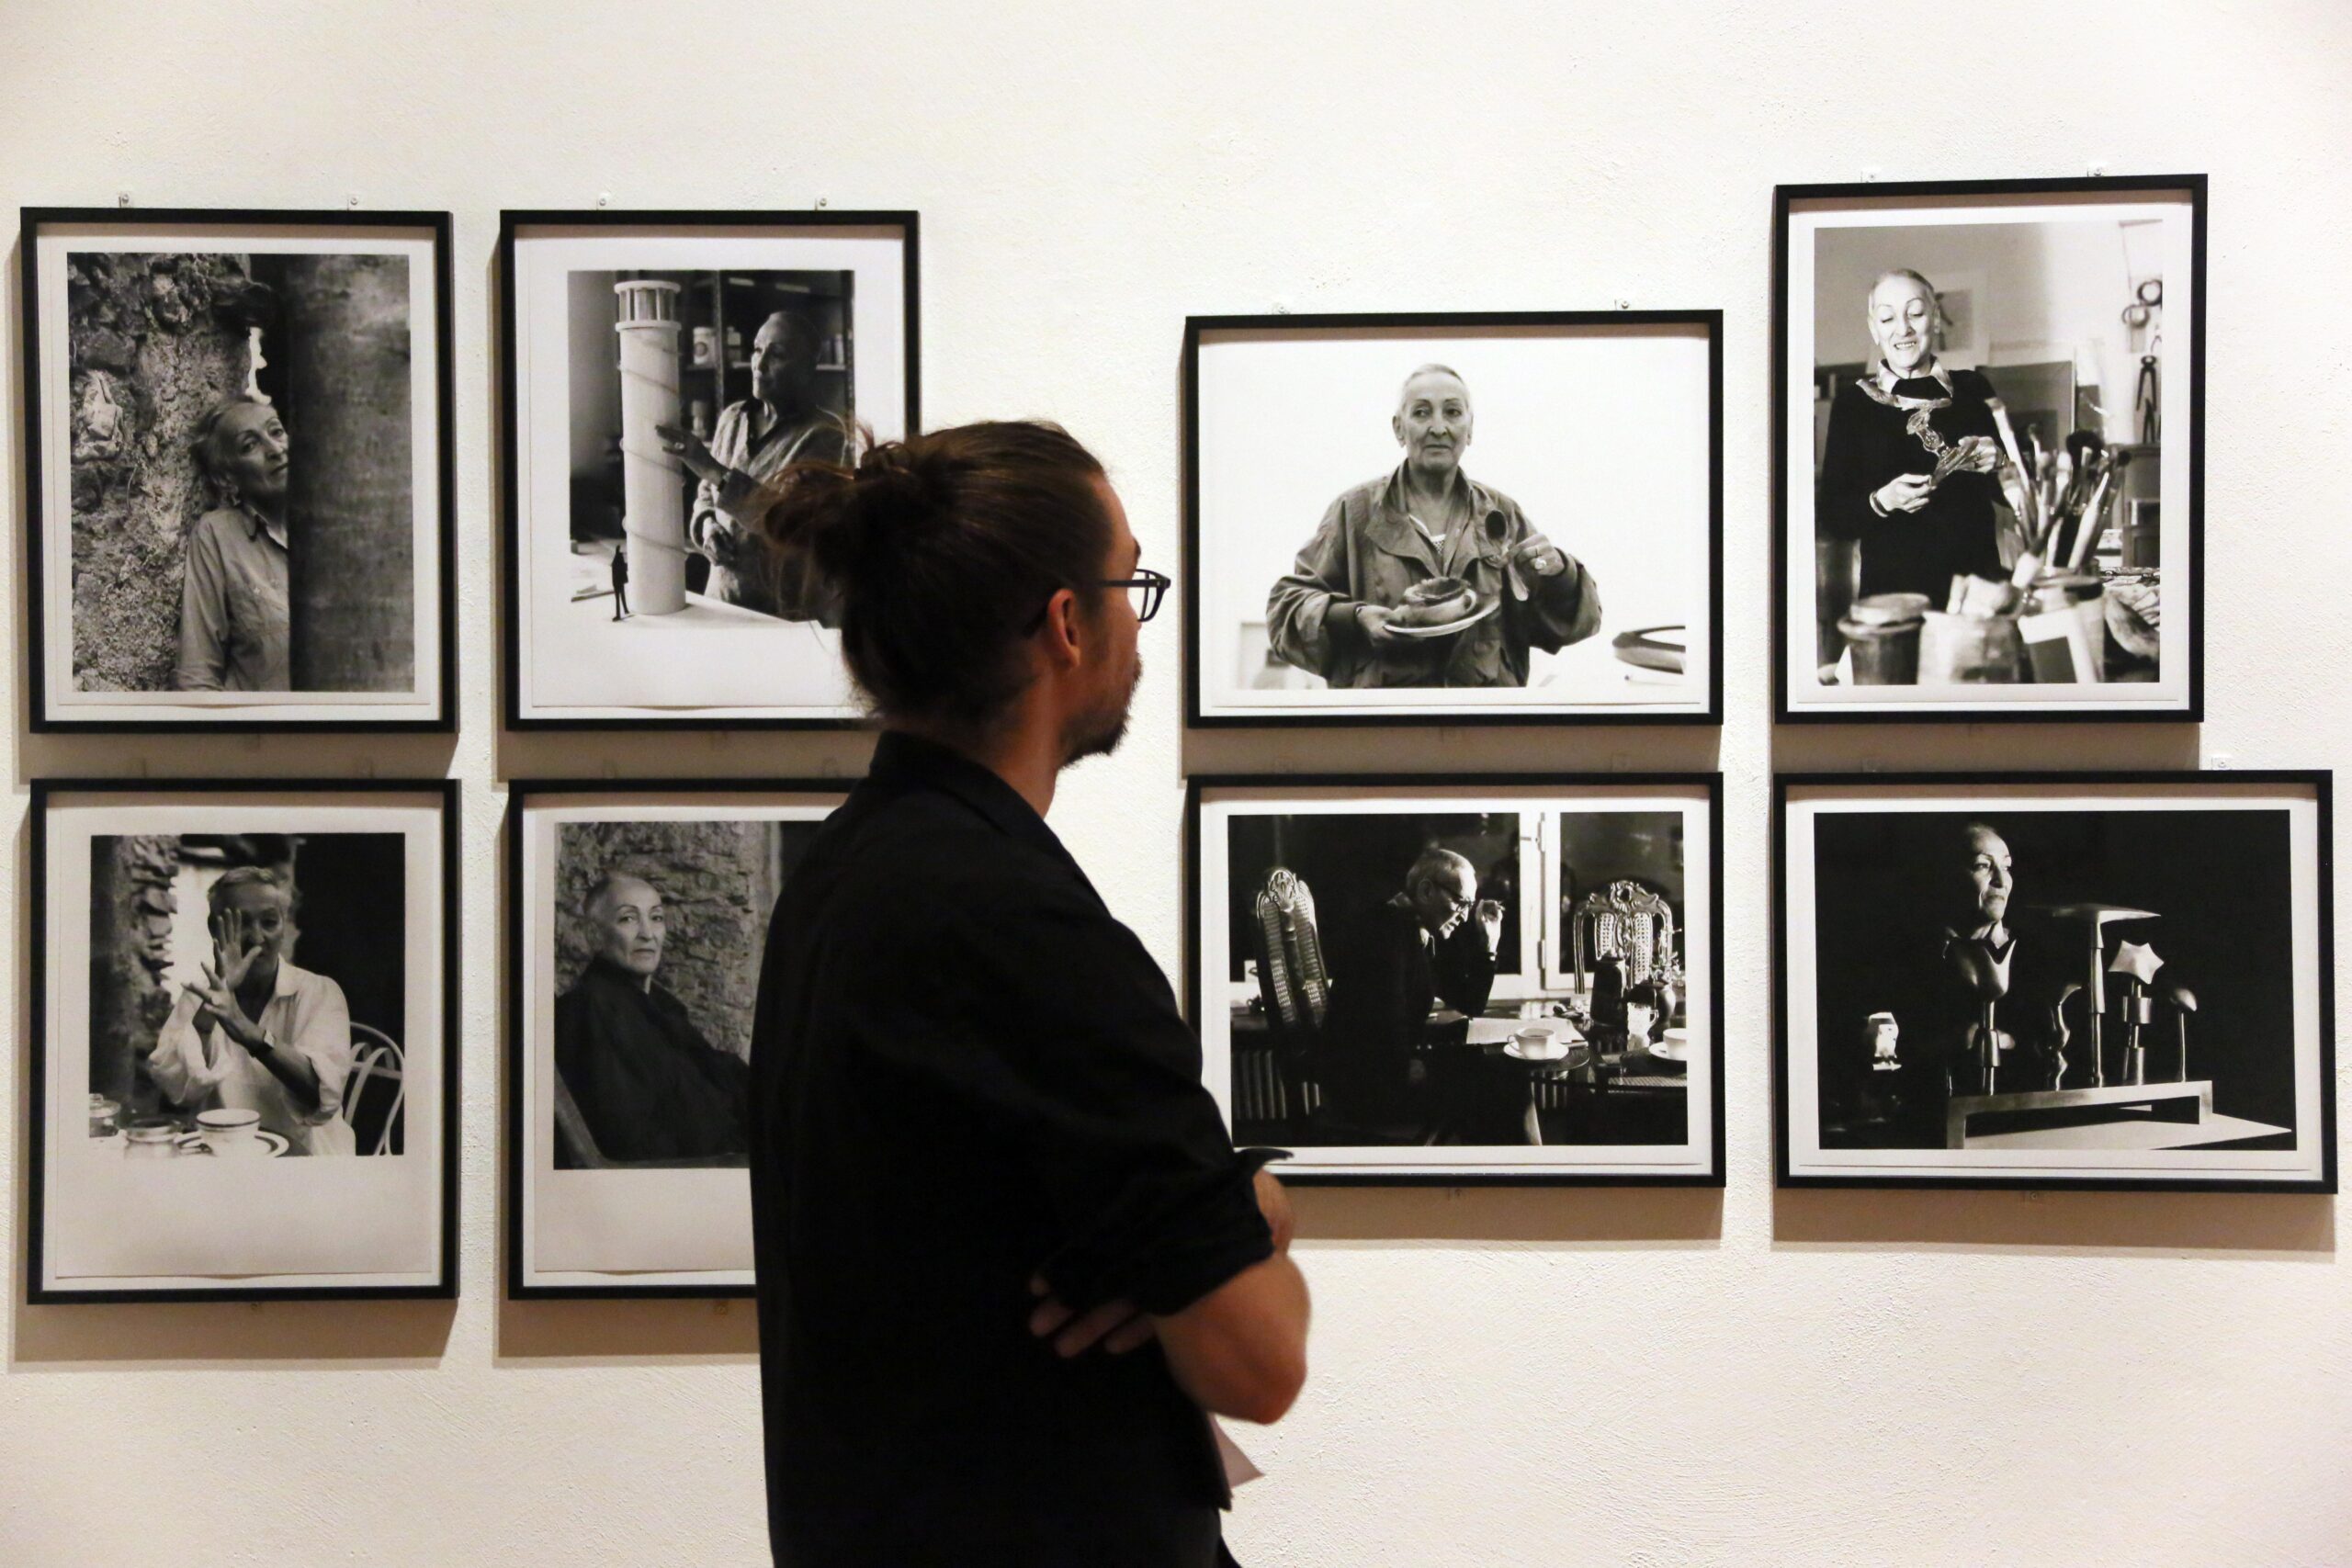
(131, 905)
(350, 492)
(153, 343)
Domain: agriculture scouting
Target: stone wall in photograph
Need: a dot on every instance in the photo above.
(716, 881)
(152, 340)
(131, 906)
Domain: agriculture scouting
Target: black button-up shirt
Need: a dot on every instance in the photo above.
(965, 1071)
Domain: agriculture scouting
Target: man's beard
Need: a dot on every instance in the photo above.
(1098, 733)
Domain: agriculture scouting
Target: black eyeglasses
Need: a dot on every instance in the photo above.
(1145, 590)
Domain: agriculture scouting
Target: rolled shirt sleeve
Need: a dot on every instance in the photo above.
(317, 1028)
(1100, 1091)
(182, 1065)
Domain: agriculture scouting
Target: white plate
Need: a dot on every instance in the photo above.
(266, 1144)
(1519, 1053)
(1472, 619)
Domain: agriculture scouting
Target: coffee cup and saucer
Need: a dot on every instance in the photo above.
(1535, 1044)
(232, 1134)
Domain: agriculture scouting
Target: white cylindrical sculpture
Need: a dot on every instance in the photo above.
(653, 483)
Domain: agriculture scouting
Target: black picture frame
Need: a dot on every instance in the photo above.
(1785, 198)
(1710, 785)
(512, 225)
(1709, 321)
(521, 795)
(2317, 782)
(32, 221)
(44, 792)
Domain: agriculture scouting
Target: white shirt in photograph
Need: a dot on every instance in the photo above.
(204, 1069)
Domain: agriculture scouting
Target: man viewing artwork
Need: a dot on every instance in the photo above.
(1009, 1260)
(1397, 560)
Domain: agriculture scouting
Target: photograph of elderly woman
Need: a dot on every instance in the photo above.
(1444, 517)
(1990, 411)
(247, 993)
(243, 473)
(1387, 986)
(659, 927)
(1955, 961)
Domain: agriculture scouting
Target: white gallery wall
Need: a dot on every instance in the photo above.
(1535, 1377)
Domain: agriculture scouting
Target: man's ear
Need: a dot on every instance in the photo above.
(1063, 628)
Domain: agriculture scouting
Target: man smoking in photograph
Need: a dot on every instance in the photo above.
(1338, 612)
(756, 439)
(647, 1083)
(1008, 1256)
(1434, 940)
(257, 1032)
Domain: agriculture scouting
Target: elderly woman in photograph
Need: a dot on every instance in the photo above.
(1425, 545)
(646, 1082)
(780, 424)
(257, 1032)
(235, 623)
(1908, 470)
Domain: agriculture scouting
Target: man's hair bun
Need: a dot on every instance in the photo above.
(941, 546)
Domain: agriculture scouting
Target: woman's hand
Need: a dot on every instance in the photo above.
(1904, 493)
(1984, 454)
(688, 448)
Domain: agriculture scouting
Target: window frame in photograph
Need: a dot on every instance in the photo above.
(523, 797)
(45, 717)
(148, 793)
(2180, 787)
(1785, 198)
(513, 230)
(1544, 793)
(1197, 716)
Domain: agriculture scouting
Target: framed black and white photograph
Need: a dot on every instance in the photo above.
(239, 473)
(1353, 556)
(2116, 980)
(637, 914)
(244, 1056)
(1988, 428)
(661, 370)
(1507, 980)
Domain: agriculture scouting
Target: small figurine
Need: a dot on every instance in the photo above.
(1884, 1032)
(2137, 964)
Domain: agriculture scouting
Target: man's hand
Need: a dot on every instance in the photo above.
(1490, 921)
(1117, 1327)
(717, 539)
(689, 448)
(1538, 557)
(1904, 493)
(1374, 619)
